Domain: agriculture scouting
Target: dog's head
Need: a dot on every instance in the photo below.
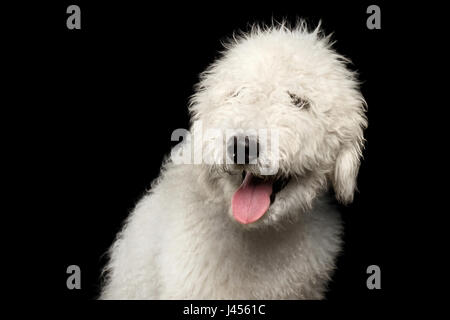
(287, 119)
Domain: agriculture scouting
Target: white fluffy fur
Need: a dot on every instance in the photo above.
(181, 241)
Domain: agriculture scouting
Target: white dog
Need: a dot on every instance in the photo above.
(225, 229)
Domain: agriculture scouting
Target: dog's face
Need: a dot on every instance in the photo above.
(288, 97)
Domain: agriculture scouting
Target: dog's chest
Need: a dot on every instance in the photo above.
(218, 261)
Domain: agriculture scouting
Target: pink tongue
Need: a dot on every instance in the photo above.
(251, 200)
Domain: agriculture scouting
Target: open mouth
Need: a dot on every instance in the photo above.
(255, 195)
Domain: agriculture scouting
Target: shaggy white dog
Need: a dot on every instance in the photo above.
(225, 229)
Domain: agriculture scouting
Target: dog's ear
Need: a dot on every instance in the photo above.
(350, 133)
(346, 171)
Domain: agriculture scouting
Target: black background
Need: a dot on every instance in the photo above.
(102, 102)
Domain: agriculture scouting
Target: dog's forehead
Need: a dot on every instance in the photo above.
(263, 67)
(276, 53)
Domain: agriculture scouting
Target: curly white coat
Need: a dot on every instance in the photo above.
(181, 241)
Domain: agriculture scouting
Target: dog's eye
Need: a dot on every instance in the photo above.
(235, 93)
(298, 102)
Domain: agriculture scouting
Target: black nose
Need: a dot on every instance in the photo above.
(243, 149)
